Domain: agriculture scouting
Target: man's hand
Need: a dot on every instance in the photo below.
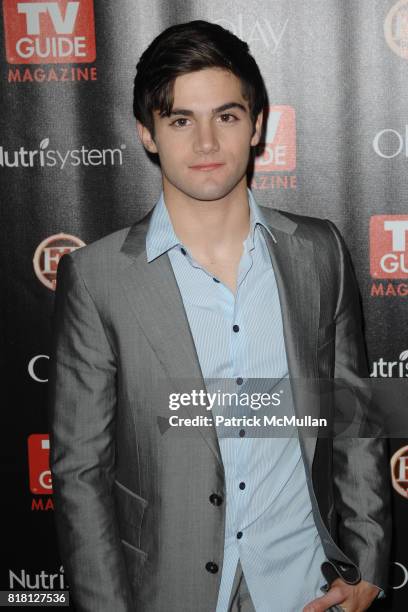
(350, 597)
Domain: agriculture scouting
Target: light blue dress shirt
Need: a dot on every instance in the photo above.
(269, 521)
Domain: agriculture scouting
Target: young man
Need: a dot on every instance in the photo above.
(209, 286)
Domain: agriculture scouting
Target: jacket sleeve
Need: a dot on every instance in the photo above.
(360, 464)
(82, 402)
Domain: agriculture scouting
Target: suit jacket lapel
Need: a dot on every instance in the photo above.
(154, 296)
(298, 286)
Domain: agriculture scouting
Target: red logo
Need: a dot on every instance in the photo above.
(38, 463)
(399, 471)
(388, 246)
(49, 32)
(49, 252)
(280, 141)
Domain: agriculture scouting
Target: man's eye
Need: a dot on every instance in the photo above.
(180, 122)
(228, 118)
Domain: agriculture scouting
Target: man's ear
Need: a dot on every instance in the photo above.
(256, 136)
(146, 137)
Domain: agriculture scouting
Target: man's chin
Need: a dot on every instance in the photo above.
(209, 193)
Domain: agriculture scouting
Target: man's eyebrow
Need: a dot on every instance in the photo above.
(189, 113)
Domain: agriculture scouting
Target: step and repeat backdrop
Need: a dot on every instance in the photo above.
(72, 170)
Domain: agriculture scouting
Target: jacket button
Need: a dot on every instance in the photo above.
(211, 567)
(215, 499)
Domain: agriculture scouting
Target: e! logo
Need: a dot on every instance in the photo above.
(49, 252)
(399, 471)
(396, 28)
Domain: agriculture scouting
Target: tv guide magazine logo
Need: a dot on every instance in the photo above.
(388, 246)
(279, 141)
(276, 154)
(38, 464)
(49, 32)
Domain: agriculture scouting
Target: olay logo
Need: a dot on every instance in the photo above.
(49, 32)
(399, 576)
(38, 464)
(279, 148)
(399, 471)
(388, 246)
(37, 368)
(255, 30)
(49, 252)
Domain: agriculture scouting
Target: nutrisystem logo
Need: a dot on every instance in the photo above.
(45, 157)
(391, 369)
(42, 580)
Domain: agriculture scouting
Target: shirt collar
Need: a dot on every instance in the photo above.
(256, 217)
(161, 236)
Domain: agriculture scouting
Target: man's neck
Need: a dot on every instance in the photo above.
(211, 230)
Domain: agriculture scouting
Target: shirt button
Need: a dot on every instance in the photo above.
(211, 567)
(242, 433)
(235, 328)
(215, 279)
(239, 380)
(242, 485)
(183, 251)
(215, 499)
(239, 535)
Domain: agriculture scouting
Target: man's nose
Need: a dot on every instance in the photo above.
(206, 138)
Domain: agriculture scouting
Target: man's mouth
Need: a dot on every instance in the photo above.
(206, 167)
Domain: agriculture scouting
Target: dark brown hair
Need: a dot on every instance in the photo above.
(188, 47)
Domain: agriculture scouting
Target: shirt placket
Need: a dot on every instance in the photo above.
(238, 347)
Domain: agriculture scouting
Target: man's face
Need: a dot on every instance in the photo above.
(204, 145)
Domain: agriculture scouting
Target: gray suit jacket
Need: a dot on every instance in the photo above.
(140, 513)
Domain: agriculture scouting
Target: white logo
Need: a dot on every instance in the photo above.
(391, 369)
(31, 370)
(43, 580)
(44, 157)
(404, 577)
(398, 230)
(62, 25)
(254, 31)
(59, 46)
(389, 143)
(393, 262)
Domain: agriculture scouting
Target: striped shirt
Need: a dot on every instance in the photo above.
(240, 346)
